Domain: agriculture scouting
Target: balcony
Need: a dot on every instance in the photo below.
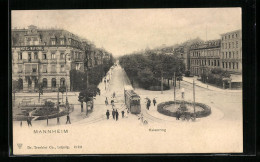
(52, 61)
(44, 61)
(78, 59)
(31, 61)
(27, 73)
(19, 61)
(61, 61)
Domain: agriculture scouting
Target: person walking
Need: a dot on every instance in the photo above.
(114, 94)
(116, 115)
(123, 113)
(113, 103)
(21, 123)
(68, 119)
(29, 121)
(47, 120)
(113, 114)
(154, 102)
(148, 104)
(178, 114)
(107, 114)
(106, 101)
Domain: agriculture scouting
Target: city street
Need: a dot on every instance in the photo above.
(224, 123)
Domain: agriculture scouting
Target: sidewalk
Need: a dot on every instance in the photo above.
(45, 94)
(209, 87)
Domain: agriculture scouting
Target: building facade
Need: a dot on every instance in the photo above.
(182, 52)
(204, 56)
(45, 56)
(231, 51)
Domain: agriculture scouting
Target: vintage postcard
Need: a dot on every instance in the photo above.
(127, 81)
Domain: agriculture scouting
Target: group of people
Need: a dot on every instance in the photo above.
(183, 116)
(148, 103)
(29, 121)
(115, 114)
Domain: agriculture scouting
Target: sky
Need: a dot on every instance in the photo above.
(123, 31)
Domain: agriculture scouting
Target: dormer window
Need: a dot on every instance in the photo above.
(53, 56)
(53, 42)
(20, 56)
(62, 41)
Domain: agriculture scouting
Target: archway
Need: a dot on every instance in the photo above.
(53, 83)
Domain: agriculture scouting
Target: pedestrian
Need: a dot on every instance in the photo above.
(177, 115)
(21, 123)
(29, 121)
(114, 95)
(68, 119)
(148, 104)
(113, 114)
(106, 101)
(107, 114)
(81, 106)
(112, 103)
(116, 115)
(47, 120)
(123, 112)
(154, 102)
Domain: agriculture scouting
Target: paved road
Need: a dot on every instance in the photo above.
(225, 105)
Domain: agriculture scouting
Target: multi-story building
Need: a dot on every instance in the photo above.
(45, 56)
(231, 51)
(204, 56)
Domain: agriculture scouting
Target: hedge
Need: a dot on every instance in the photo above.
(199, 114)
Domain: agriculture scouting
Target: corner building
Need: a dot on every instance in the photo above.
(45, 56)
(231, 51)
(204, 56)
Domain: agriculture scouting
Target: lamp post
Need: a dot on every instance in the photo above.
(194, 95)
(207, 82)
(66, 77)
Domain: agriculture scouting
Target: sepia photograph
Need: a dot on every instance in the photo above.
(127, 81)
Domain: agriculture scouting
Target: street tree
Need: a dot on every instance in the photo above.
(88, 94)
(40, 90)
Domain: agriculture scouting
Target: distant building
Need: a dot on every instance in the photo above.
(182, 52)
(204, 56)
(45, 56)
(231, 51)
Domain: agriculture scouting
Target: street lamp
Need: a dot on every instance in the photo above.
(66, 78)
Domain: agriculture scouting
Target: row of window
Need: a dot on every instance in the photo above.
(34, 55)
(53, 82)
(45, 82)
(204, 62)
(53, 42)
(205, 53)
(32, 68)
(230, 54)
(230, 65)
(230, 36)
(229, 45)
(195, 70)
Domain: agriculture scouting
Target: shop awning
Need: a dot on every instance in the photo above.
(236, 78)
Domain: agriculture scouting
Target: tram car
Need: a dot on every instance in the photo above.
(132, 100)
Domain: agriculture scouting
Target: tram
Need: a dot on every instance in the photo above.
(132, 100)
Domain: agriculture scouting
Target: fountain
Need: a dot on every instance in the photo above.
(184, 109)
